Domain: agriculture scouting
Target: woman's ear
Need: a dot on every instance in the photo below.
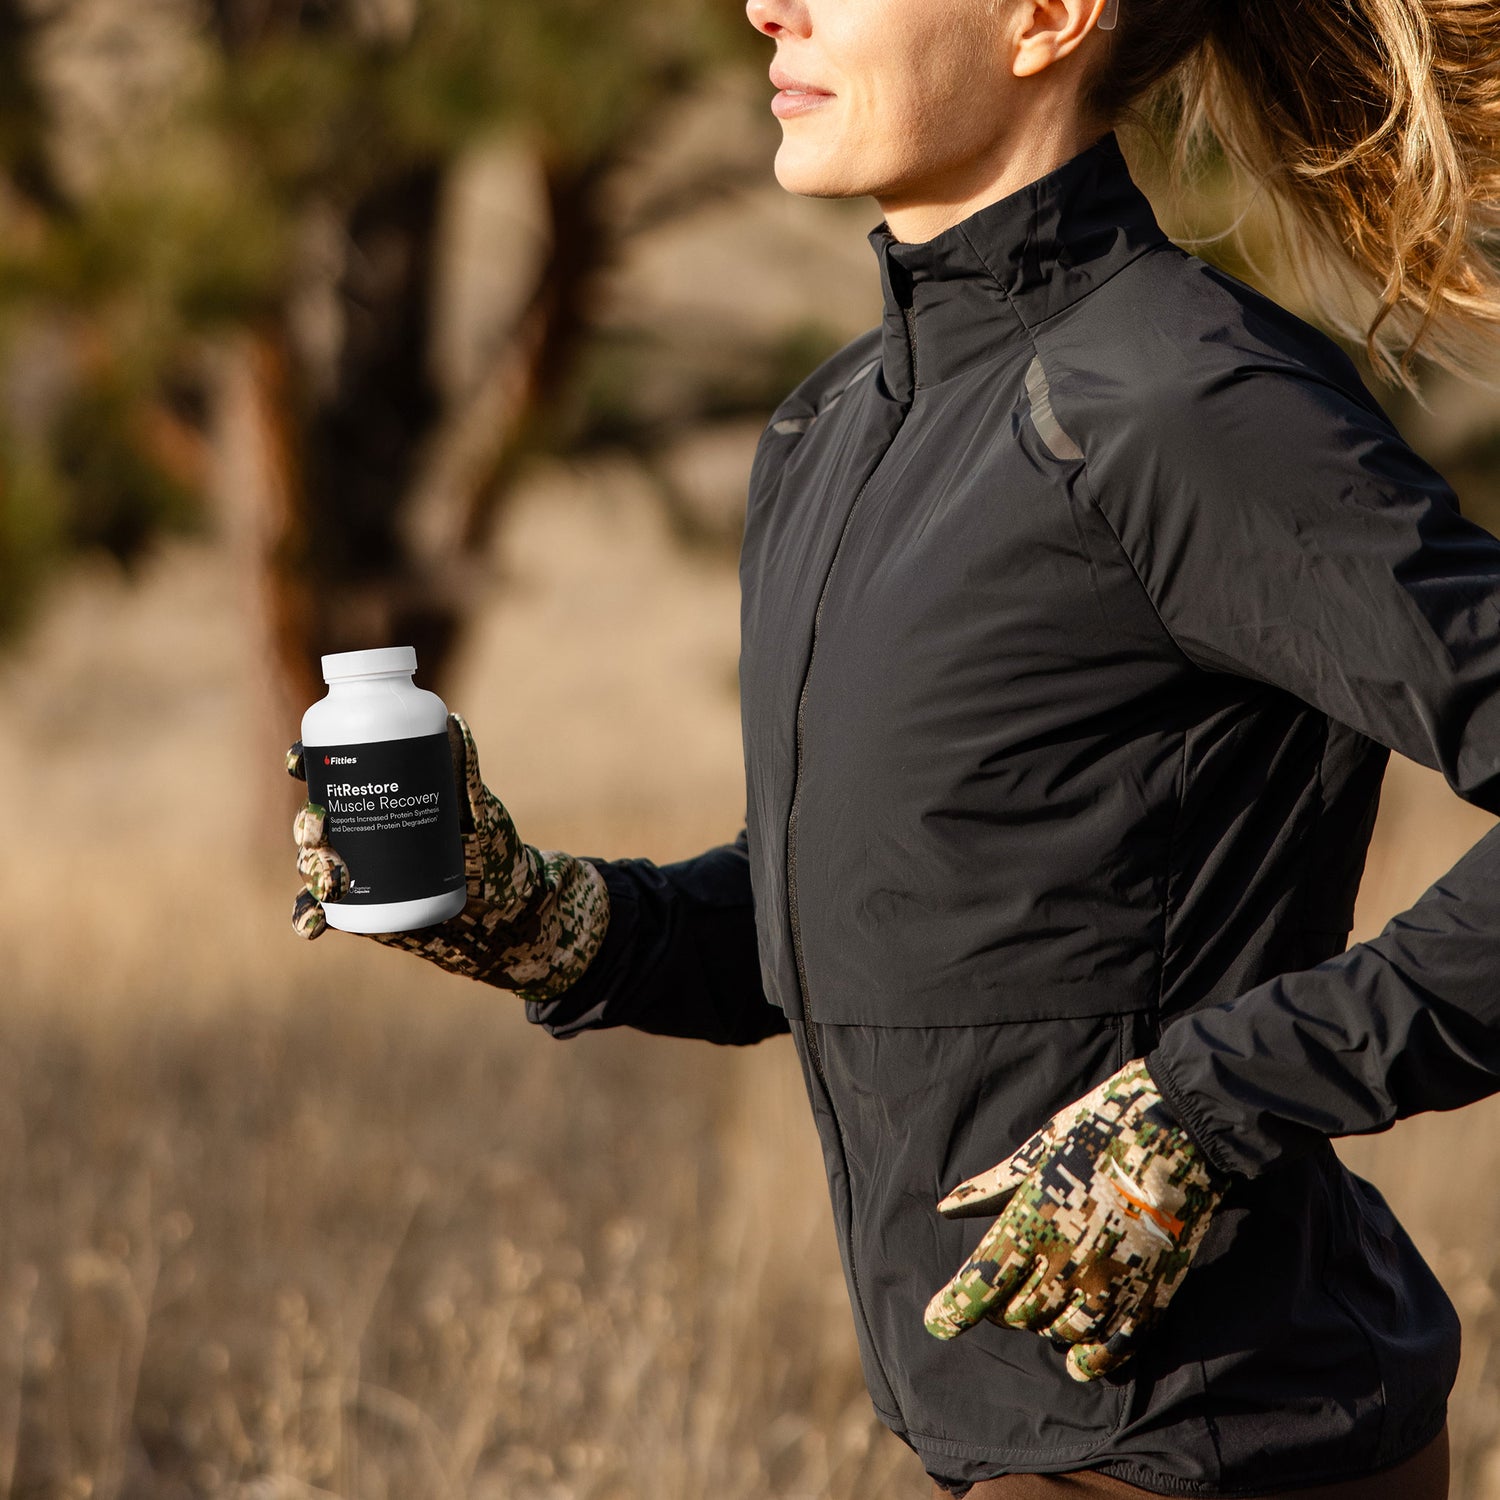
(1049, 30)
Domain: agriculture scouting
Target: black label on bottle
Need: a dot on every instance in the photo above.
(392, 816)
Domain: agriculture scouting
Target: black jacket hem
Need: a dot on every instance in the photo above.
(1164, 1484)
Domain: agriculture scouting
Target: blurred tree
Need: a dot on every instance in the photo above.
(219, 270)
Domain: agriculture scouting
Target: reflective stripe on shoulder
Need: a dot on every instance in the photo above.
(1048, 428)
(800, 424)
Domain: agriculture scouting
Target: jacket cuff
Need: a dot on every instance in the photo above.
(582, 1005)
(1189, 1115)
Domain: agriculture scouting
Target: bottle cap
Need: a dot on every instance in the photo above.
(369, 663)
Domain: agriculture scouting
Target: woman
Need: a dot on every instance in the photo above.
(1083, 600)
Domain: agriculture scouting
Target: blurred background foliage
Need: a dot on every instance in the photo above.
(229, 216)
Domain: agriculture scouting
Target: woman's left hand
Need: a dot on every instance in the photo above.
(1111, 1201)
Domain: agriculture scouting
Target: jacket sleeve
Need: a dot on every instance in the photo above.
(1284, 531)
(679, 956)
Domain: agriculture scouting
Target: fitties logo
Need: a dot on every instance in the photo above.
(340, 760)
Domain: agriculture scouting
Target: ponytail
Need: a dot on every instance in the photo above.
(1374, 127)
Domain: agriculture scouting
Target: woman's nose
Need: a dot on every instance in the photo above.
(776, 16)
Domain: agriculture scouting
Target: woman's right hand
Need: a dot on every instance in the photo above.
(534, 918)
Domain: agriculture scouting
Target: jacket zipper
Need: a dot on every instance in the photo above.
(808, 1026)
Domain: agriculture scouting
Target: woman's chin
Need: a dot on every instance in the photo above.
(816, 172)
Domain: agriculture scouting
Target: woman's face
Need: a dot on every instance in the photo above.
(918, 100)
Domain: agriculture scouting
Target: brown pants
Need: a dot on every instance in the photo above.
(1423, 1476)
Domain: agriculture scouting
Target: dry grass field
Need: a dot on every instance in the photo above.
(282, 1220)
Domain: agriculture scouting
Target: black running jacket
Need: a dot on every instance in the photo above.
(1082, 601)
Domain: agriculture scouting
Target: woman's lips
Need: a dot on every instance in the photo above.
(795, 96)
(790, 102)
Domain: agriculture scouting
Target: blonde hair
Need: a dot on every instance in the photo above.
(1373, 126)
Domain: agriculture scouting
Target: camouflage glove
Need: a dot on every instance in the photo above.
(535, 918)
(1111, 1201)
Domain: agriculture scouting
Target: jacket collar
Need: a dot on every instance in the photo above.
(953, 301)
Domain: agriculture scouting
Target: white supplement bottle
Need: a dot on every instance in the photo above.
(376, 754)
